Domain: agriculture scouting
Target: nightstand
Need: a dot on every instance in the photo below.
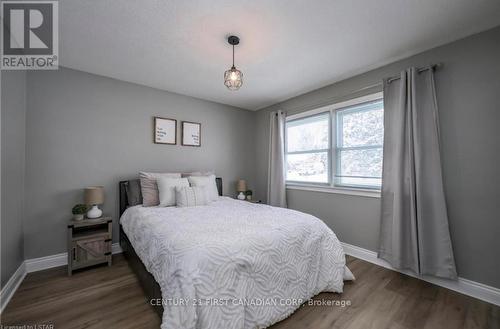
(89, 242)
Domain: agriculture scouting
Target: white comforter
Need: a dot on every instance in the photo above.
(234, 264)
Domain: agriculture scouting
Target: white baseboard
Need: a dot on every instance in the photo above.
(467, 287)
(11, 286)
(116, 249)
(34, 265)
(43, 263)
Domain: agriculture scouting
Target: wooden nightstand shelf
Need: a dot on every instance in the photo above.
(254, 201)
(89, 242)
(251, 201)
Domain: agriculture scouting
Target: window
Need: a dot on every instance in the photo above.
(360, 136)
(308, 149)
(337, 146)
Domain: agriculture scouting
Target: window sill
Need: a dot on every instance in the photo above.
(335, 190)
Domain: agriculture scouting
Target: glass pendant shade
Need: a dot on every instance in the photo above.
(233, 79)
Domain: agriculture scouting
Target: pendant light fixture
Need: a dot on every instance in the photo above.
(233, 78)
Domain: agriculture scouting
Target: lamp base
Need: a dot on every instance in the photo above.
(241, 196)
(95, 212)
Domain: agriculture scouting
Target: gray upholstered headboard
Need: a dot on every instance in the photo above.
(123, 193)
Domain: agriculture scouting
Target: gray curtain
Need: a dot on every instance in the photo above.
(276, 189)
(414, 231)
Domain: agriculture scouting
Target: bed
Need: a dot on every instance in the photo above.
(231, 264)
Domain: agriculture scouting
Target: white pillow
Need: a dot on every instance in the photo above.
(149, 188)
(198, 173)
(191, 196)
(208, 182)
(166, 189)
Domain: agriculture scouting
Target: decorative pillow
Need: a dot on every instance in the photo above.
(191, 196)
(198, 173)
(134, 195)
(208, 182)
(149, 188)
(166, 189)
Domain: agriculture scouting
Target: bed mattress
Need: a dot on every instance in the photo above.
(234, 264)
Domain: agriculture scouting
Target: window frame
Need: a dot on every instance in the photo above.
(333, 151)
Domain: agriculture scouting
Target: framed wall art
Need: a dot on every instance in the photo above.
(191, 133)
(165, 131)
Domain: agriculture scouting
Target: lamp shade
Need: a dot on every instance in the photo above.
(94, 195)
(233, 78)
(241, 186)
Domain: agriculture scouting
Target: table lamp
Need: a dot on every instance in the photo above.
(241, 187)
(94, 196)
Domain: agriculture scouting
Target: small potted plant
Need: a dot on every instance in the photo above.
(79, 211)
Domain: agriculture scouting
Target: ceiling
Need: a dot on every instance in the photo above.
(288, 47)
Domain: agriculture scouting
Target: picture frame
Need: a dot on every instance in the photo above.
(191, 133)
(165, 131)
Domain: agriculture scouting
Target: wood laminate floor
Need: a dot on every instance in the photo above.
(110, 297)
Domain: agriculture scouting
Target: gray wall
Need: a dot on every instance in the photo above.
(13, 105)
(83, 130)
(468, 88)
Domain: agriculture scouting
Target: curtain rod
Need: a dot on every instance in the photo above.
(378, 84)
(394, 78)
(420, 69)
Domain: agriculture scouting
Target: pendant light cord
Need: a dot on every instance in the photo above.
(233, 56)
